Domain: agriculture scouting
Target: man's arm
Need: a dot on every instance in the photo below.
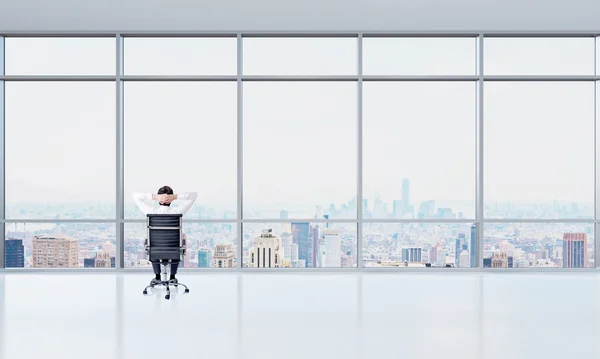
(187, 200)
(142, 201)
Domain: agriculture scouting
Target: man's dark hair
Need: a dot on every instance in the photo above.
(165, 190)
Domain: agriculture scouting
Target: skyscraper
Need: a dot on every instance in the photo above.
(267, 251)
(55, 252)
(332, 247)
(102, 260)
(203, 258)
(500, 260)
(411, 254)
(224, 255)
(314, 237)
(14, 253)
(426, 209)
(397, 208)
(473, 247)
(300, 233)
(405, 195)
(290, 249)
(574, 250)
(464, 259)
(457, 251)
(283, 214)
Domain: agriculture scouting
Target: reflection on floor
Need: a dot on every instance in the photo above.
(273, 316)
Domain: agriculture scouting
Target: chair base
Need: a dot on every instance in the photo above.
(165, 283)
(168, 286)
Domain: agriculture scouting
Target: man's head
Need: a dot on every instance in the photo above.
(165, 190)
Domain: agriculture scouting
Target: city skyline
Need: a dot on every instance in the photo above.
(531, 244)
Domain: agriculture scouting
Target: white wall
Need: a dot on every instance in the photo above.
(299, 15)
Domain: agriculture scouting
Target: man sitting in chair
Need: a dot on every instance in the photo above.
(165, 197)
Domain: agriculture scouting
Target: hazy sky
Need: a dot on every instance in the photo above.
(300, 138)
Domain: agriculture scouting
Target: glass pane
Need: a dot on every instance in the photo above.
(300, 150)
(525, 245)
(60, 245)
(300, 245)
(209, 245)
(60, 150)
(419, 56)
(419, 150)
(60, 56)
(182, 134)
(539, 150)
(415, 245)
(180, 56)
(538, 56)
(300, 56)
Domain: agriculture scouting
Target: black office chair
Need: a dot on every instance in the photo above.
(164, 244)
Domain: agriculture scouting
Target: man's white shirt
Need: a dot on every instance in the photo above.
(184, 203)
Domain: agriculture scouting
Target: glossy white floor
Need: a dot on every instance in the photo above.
(260, 315)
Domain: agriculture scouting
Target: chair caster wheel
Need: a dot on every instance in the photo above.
(187, 290)
(145, 292)
(168, 296)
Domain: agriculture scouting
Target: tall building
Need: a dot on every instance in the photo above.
(411, 254)
(283, 214)
(300, 233)
(55, 252)
(574, 250)
(426, 209)
(473, 246)
(89, 262)
(332, 248)
(267, 251)
(441, 256)
(223, 256)
(290, 249)
(102, 260)
(457, 250)
(445, 213)
(405, 195)
(500, 260)
(315, 240)
(397, 208)
(464, 259)
(203, 258)
(14, 254)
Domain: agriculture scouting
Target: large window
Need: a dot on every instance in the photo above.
(538, 56)
(60, 150)
(419, 150)
(300, 56)
(300, 150)
(180, 56)
(183, 135)
(420, 245)
(547, 245)
(299, 244)
(355, 150)
(208, 245)
(60, 245)
(539, 150)
(59, 56)
(385, 56)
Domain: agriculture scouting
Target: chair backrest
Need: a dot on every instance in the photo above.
(164, 236)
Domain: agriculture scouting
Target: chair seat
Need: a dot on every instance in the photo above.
(164, 253)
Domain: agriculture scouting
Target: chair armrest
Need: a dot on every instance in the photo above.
(146, 248)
